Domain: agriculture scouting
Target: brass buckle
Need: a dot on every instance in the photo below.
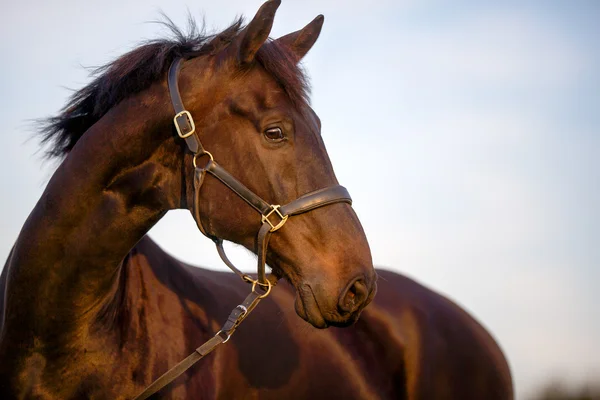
(274, 209)
(190, 120)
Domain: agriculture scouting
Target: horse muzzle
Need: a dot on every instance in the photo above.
(315, 304)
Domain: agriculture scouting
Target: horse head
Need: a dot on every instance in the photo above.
(249, 101)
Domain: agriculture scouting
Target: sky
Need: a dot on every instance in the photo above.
(482, 119)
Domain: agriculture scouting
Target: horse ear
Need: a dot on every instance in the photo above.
(300, 42)
(257, 32)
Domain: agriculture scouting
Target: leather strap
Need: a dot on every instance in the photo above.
(199, 175)
(223, 255)
(181, 367)
(182, 119)
(316, 199)
(237, 315)
(173, 84)
(262, 244)
(238, 187)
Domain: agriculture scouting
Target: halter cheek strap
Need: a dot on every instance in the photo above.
(272, 218)
(199, 175)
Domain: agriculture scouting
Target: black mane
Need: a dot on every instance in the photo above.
(138, 69)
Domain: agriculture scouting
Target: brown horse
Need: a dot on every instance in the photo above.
(92, 308)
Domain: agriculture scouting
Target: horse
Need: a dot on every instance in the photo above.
(93, 308)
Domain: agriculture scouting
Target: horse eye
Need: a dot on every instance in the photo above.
(274, 134)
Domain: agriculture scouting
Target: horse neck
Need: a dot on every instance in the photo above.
(117, 182)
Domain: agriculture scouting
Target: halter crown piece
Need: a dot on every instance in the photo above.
(272, 218)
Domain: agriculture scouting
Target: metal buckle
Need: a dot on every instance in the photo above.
(190, 121)
(275, 209)
(243, 309)
(227, 335)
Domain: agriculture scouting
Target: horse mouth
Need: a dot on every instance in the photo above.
(308, 308)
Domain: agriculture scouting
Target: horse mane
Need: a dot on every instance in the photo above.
(141, 67)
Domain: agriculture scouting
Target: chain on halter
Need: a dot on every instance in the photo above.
(263, 284)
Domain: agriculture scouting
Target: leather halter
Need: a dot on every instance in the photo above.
(186, 129)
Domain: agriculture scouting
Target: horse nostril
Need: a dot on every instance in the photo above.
(354, 296)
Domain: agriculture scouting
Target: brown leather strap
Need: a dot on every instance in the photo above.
(181, 367)
(223, 255)
(316, 199)
(199, 175)
(238, 187)
(262, 244)
(174, 86)
(182, 121)
(302, 204)
(237, 315)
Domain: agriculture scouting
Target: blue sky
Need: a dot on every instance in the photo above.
(483, 119)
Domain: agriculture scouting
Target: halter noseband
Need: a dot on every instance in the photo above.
(186, 129)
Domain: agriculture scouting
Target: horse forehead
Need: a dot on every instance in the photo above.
(249, 98)
(260, 92)
(251, 104)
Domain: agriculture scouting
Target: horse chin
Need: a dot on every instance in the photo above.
(308, 308)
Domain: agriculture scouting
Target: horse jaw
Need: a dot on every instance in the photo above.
(307, 307)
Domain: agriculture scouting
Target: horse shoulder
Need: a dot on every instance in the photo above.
(122, 344)
(158, 317)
